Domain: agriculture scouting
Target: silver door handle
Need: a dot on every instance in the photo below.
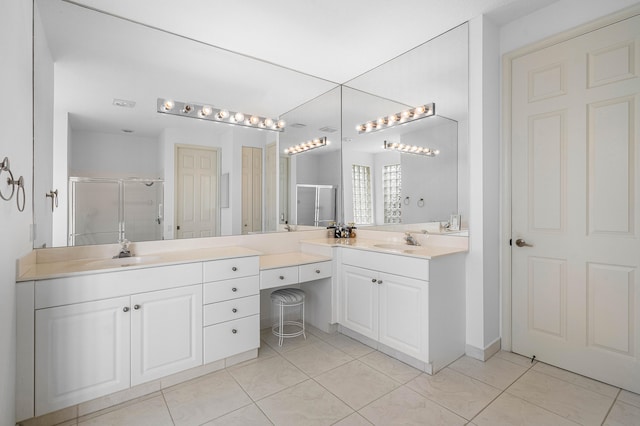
(522, 243)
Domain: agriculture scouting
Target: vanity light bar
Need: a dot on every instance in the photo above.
(206, 112)
(411, 149)
(306, 146)
(406, 116)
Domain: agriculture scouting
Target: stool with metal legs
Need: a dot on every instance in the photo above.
(283, 299)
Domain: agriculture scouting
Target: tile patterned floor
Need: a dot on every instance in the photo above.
(334, 380)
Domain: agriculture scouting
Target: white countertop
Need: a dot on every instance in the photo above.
(39, 271)
(271, 261)
(390, 247)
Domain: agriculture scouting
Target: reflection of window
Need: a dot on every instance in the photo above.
(392, 187)
(362, 206)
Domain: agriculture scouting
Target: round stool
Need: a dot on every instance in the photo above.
(282, 299)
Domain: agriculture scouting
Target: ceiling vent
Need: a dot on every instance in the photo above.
(298, 125)
(328, 129)
(124, 103)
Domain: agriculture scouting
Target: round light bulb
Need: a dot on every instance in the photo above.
(187, 109)
(222, 114)
(406, 114)
(381, 121)
(280, 124)
(392, 119)
(168, 105)
(268, 122)
(286, 150)
(206, 111)
(239, 117)
(436, 152)
(254, 120)
(360, 128)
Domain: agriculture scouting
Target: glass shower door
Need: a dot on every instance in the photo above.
(95, 212)
(142, 210)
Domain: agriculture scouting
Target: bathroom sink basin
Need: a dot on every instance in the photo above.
(393, 247)
(122, 261)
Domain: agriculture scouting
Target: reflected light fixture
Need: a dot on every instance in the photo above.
(411, 149)
(403, 117)
(207, 112)
(308, 145)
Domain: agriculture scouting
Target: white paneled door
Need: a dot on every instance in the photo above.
(576, 204)
(196, 192)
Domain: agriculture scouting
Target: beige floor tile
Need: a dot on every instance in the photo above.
(576, 379)
(73, 422)
(306, 403)
(507, 410)
(151, 412)
(348, 345)
(266, 351)
(318, 333)
(459, 393)
(516, 359)
(405, 407)
(288, 344)
(357, 384)
(245, 416)
(121, 406)
(496, 372)
(393, 368)
(118, 398)
(53, 418)
(629, 398)
(317, 358)
(623, 415)
(264, 377)
(353, 420)
(205, 399)
(563, 398)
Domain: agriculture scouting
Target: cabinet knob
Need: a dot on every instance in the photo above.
(234, 289)
(234, 310)
(317, 271)
(234, 269)
(379, 281)
(234, 331)
(373, 280)
(125, 309)
(282, 277)
(136, 307)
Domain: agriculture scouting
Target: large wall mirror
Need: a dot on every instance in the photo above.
(114, 164)
(404, 189)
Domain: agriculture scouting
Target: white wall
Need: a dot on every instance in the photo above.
(43, 136)
(16, 143)
(96, 154)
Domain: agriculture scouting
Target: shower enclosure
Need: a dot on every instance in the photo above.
(105, 210)
(316, 204)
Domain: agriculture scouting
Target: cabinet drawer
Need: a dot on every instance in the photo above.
(231, 289)
(217, 270)
(314, 271)
(231, 309)
(230, 338)
(277, 277)
(405, 266)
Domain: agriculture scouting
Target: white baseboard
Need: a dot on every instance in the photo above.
(483, 354)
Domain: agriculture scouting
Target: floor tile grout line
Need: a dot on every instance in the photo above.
(613, 403)
(580, 386)
(167, 405)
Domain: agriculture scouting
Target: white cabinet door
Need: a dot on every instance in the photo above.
(359, 305)
(82, 352)
(403, 314)
(166, 332)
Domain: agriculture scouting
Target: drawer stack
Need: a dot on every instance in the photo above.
(231, 299)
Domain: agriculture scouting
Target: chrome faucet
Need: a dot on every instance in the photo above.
(410, 239)
(124, 249)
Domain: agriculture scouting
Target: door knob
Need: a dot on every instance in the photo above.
(522, 243)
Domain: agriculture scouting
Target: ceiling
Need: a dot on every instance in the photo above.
(331, 39)
(304, 49)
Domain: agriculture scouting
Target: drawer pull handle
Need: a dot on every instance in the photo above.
(234, 269)
(136, 307)
(125, 309)
(234, 289)
(234, 310)
(282, 277)
(373, 280)
(234, 331)
(317, 271)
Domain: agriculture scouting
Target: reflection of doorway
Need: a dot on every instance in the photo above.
(196, 192)
(251, 189)
(270, 187)
(284, 189)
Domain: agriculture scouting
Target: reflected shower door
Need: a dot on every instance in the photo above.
(316, 205)
(95, 212)
(142, 210)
